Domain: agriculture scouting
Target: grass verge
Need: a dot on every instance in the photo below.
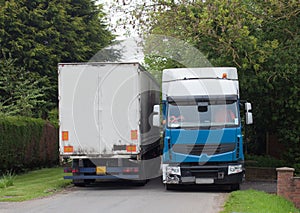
(252, 201)
(35, 184)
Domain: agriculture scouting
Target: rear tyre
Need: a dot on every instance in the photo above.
(140, 182)
(79, 183)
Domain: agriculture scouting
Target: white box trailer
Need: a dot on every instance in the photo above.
(105, 115)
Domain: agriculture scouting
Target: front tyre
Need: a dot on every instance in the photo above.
(235, 187)
(169, 186)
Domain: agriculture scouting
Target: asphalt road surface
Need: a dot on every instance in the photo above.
(123, 198)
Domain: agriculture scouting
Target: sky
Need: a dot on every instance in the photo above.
(132, 50)
(113, 17)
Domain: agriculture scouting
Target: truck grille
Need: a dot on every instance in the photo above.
(198, 149)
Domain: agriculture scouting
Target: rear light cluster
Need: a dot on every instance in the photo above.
(131, 170)
(67, 170)
(75, 170)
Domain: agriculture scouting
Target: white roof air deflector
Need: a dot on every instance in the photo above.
(220, 81)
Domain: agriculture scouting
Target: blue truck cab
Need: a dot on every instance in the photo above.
(202, 130)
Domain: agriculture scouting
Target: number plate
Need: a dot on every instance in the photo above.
(100, 170)
(204, 180)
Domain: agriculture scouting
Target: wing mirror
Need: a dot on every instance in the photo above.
(156, 115)
(249, 117)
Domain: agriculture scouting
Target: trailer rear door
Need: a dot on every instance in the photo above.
(99, 109)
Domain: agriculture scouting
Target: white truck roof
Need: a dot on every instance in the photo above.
(208, 81)
(203, 73)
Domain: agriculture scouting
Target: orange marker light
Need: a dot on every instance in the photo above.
(65, 135)
(134, 134)
(224, 75)
(131, 148)
(68, 149)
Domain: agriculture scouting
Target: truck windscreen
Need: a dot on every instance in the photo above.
(203, 114)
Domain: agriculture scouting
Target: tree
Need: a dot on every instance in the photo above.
(280, 73)
(260, 38)
(22, 93)
(39, 34)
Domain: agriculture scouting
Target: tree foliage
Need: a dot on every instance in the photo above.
(39, 34)
(260, 38)
(22, 93)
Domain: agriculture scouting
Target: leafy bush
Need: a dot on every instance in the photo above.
(53, 117)
(297, 169)
(263, 161)
(26, 143)
(7, 180)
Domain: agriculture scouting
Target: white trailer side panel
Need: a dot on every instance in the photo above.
(99, 108)
(150, 96)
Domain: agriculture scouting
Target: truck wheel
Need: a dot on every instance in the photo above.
(235, 187)
(78, 183)
(140, 182)
(89, 181)
(169, 187)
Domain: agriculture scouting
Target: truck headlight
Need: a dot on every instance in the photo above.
(173, 170)
(234, 169)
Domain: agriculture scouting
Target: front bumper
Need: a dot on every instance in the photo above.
(186, 174)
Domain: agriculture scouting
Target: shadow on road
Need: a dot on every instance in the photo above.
(153, 184)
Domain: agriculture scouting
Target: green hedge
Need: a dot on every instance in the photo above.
(27, 143)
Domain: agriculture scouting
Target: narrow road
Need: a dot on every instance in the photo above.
(152, 198)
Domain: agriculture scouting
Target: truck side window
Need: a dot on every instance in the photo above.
(223, 114)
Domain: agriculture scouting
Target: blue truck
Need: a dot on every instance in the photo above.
(202, 127)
